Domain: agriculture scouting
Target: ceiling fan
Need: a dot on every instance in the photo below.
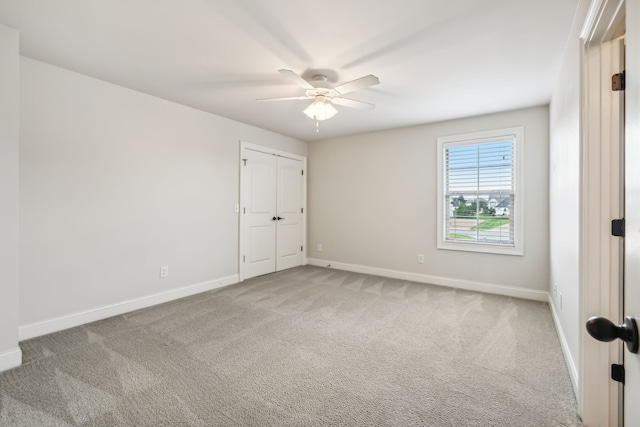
(323, 94)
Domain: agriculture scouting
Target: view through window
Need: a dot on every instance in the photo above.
(479, 191)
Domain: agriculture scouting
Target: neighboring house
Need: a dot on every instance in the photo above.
(453, 206)
(502, 208)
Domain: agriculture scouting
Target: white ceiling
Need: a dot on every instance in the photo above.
(436, 59)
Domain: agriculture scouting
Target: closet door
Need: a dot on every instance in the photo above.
(259, 210)
(272, 225)
(289, 248)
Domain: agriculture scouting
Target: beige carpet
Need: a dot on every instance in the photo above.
(305, 347)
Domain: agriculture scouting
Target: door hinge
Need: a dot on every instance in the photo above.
(302, 172)
(243, 258)
(617, 373)
(618, 81)
(301, 210)
(617, 227)
(301, 249)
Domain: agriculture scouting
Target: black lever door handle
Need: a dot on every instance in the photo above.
(274, 218)
(279, 218)
(605, 330)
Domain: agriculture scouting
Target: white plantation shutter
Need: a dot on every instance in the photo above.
(478, 191)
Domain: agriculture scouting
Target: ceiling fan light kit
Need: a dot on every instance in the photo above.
(322, 93)
(320, 109)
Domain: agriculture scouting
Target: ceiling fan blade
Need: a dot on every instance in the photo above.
(356, 84)
(288, 98)
(295, 78)
(352, 103)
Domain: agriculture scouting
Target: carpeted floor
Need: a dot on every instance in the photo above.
(306, 346)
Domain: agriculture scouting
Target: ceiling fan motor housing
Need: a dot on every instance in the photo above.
(322, 87)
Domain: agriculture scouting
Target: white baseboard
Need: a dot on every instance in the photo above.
(10, 359)
(571, 366)
(510, 291)
(76, 319)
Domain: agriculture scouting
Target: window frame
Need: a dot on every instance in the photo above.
(516, 134)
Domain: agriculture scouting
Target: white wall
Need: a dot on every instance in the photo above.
(10, 354)
(564, 193)
(115, 184)
(372, 203)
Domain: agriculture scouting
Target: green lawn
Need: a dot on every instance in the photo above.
(491, 223)
(458, 236)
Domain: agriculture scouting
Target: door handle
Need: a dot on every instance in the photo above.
(274, 218)
(605, 330)
(279, 218)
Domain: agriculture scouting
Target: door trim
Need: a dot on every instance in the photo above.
(598, 397)
(244, 145)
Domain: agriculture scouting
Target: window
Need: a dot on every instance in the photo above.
(480, 192)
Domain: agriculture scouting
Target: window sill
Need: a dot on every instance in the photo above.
(482, 248)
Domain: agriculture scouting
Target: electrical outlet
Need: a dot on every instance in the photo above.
(560, 298)
(164, 271)
(421, 258)
(319, 247)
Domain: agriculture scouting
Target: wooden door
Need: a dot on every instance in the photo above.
(632, 206)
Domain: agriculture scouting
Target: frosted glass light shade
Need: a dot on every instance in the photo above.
(320, 109)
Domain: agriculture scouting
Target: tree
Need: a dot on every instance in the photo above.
(461, 210)
(473, 208)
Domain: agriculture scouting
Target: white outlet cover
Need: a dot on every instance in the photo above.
(560, 296)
